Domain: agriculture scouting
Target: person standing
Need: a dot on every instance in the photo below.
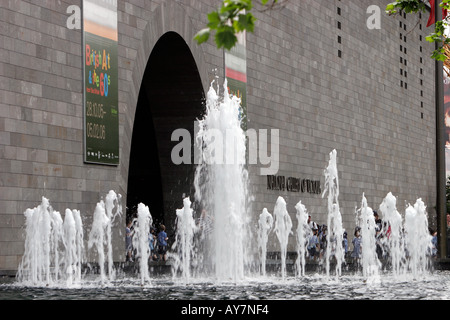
(313, 245)
(129, 241)
(378, 221)
(152, 239)
(345, 243)
(162, 243)
(356, 254)
(312, 224)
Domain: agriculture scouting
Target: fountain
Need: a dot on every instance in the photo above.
(54, 248)
(392, 239)
(100, 235)
(73, 231)
(408, 243)
(97, 237)
(215, 265)
(369, 259)
(184, 241)
(417, 238)
(36, 261)
(283, 226)
(265, 224)
(51, 243)
(141, 240)
(302, 236)
(54, 253)
(334, 220)
(113, 208)
(56, 240)
(79, 244)
(221, 183)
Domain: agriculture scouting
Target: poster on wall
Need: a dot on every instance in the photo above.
(447, 122)
(101, 103)
(236, 74)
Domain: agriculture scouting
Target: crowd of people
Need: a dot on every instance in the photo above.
(157, 242)
(318, 242)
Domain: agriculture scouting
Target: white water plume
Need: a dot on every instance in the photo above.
(97, 236)
(369, 259)
(393, 233)
(184, 240)
(265, 224)
(36, 260)
(334, 220)
(221, 183)
(113, 208)
(54, 248)
(141, 240)
(283, 228)
(417, 238)
(302, 236)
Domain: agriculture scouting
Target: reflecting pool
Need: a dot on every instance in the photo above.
(312, 286)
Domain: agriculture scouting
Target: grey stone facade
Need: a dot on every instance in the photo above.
(315, 72)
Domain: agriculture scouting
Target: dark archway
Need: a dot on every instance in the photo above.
(171, 97)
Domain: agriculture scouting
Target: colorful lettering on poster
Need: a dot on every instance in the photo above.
(99, 80)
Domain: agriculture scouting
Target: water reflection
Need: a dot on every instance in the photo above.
(315, 286)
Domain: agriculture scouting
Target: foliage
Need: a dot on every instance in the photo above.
(232, 17)
(416, 6)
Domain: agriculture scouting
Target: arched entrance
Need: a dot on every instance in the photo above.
(171, 97)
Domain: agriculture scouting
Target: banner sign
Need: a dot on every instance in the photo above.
(236, 74)
(447, 123)
(101, 103)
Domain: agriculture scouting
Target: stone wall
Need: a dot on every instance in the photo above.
(315, 72)
(328, 82)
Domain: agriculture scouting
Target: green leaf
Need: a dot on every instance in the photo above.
(229, 9)
(246, 4)
(244, 22)
(202, 35)
(234, 12)
(439, 54)
(433, 37)
(214, 20)
(390, 7)
(225, 37)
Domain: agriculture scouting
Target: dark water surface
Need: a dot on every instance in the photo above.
(433, 286)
